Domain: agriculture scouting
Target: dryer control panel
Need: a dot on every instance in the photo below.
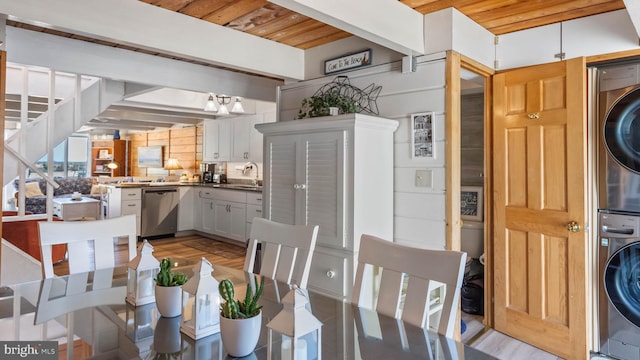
(619, 225)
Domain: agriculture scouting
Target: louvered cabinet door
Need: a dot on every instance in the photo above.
(323, 191)
(280, 194)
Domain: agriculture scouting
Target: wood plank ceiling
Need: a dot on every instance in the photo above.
(270, 21)
(264, 19)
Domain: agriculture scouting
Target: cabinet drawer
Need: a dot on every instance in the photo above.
(254, 198)
(253, 211)
(327, 274)
(230, 195)
(131, 194)
(206, 194)
(131, 207)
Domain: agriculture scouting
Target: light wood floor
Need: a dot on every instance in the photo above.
(168, 247)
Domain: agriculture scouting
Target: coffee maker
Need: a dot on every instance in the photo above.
(208, 172)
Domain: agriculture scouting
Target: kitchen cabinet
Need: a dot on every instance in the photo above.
(216, 144)
(240, 138)
(254, 209)
(222, 212)
(335, 172)
(234, 139)
(246, 140)
(230, 218)
(124, 201)
(205, 215)
(186, 208)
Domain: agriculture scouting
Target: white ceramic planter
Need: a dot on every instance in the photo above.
(169, 300)
(240, 336)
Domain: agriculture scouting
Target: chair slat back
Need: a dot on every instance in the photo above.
(423, 271)
(81, 236)
(286, 250)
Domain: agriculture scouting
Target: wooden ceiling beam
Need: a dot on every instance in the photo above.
(155, 29)
(368, 19)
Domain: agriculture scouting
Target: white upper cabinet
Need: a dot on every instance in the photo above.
(240, 138)
(235, 139)
(216, 140)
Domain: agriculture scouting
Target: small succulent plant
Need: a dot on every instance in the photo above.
(236, 309)
(166, 276)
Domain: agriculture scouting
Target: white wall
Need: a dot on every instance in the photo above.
(314, 58)
(449, 29)
(599, 34)
(419, 218)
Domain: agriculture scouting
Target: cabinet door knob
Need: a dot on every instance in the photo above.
(303, 186)
(331, 274)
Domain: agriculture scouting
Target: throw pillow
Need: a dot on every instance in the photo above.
(95, 189)
(32, 189)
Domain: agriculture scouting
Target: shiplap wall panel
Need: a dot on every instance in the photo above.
(401, 95)
(420, 233)
(404, 180)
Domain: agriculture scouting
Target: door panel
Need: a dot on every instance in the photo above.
(323, 201)
(539, 174)
(281, 195)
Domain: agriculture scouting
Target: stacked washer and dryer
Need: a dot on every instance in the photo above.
(619, 210)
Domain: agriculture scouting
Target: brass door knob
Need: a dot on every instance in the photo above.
(533, 116)
(573, 226)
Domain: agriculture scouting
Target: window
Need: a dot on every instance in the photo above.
(70, 158)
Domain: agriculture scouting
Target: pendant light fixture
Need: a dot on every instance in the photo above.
(211, 104)
(237, 106)
(223, 100)
(219, 104)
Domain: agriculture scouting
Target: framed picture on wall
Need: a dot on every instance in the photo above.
(422, 135)
(471, 205)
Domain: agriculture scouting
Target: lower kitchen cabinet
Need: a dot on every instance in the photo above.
(221, 212)
(205, 215)
(230, 218)
(186, 208)
(254, 209)
(124, 201)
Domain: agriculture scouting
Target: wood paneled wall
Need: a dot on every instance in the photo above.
(184, 144)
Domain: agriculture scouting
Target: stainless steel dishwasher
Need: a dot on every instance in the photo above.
(159, 211)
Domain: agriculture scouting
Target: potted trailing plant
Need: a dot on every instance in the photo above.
(321, 103)
(169, 289)
(240, 321)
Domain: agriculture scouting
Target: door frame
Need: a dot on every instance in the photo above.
(454, 63)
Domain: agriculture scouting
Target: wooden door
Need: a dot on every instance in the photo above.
(539, 172)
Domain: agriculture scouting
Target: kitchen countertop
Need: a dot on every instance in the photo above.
(231, 186)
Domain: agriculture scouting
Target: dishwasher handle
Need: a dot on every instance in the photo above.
(160, 191)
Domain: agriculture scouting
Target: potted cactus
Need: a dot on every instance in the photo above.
(240, 320)
(169, 289)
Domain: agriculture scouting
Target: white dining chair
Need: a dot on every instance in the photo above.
(286, 250)
(433, 281)
(82, 236)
